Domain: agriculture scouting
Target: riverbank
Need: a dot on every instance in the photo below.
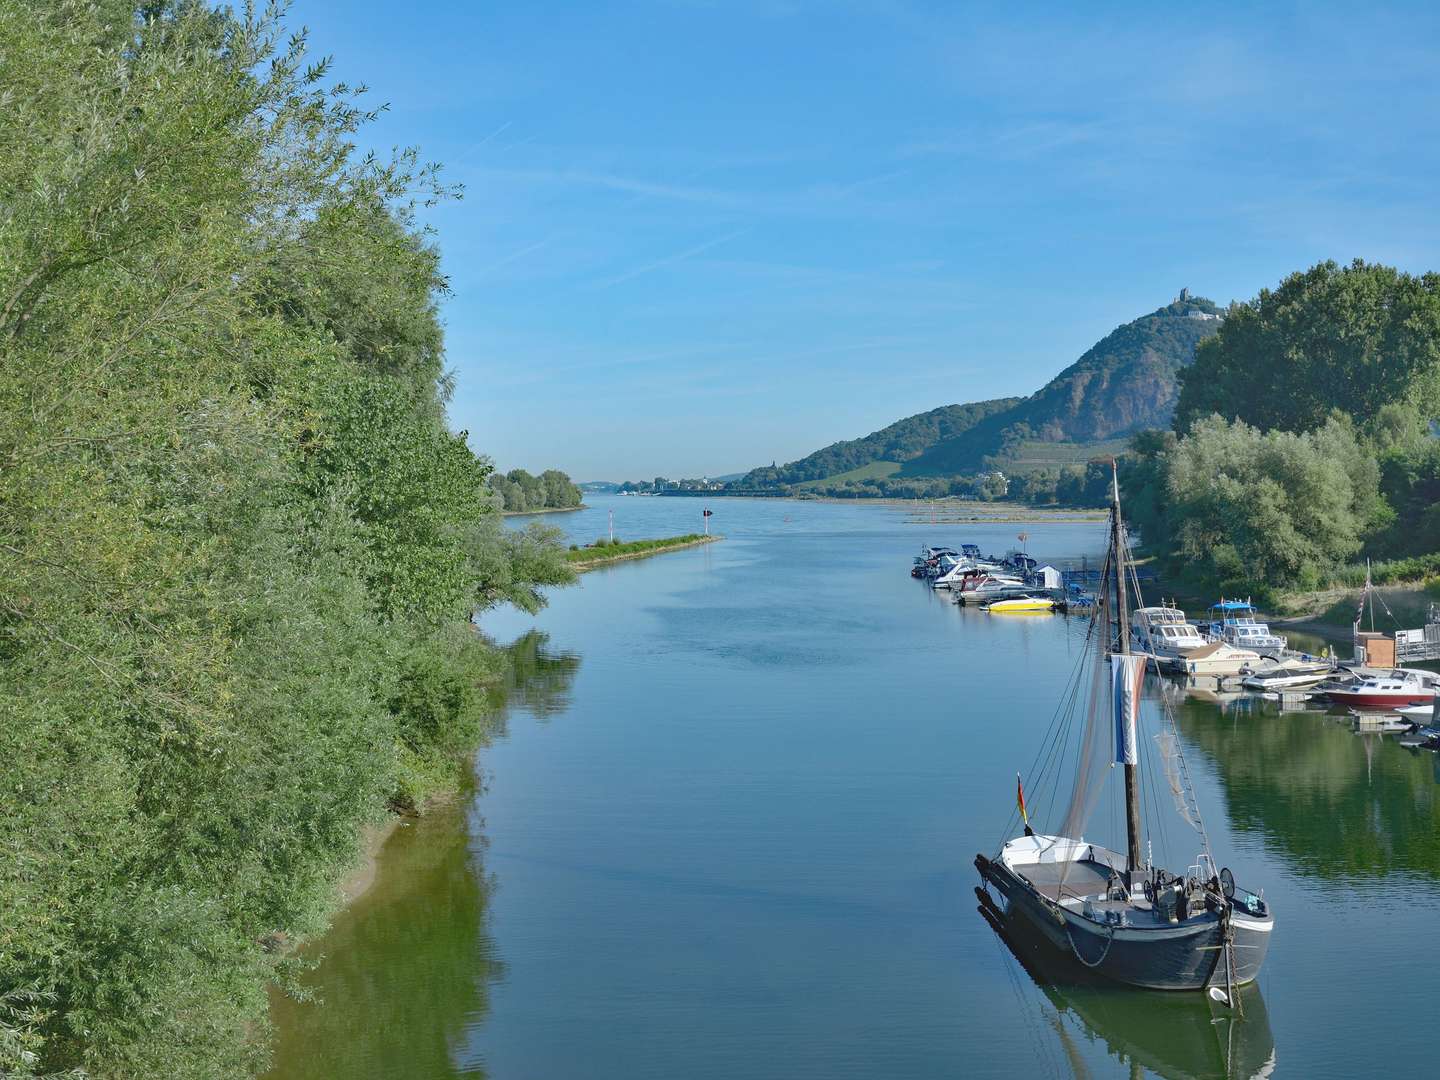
(1328, 613)
(543, 510)
(589, 558)
(965, 511)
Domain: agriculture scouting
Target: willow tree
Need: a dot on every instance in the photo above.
(239, 546)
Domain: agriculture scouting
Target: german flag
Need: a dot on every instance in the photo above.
(1020, 800)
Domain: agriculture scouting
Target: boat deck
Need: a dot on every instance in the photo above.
(1081, 879)
(1085, 886)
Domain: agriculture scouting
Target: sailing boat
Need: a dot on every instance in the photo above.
(1177, 1036)
(1122, 918)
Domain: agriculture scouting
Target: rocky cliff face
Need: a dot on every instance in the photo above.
(1124, 383)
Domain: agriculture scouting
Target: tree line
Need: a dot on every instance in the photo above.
(521, 492)
(1304, 437)
(240, 546)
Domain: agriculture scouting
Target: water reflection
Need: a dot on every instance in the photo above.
(538, 679)
(407, 968)
(402, 970)
(1337, 804)
(1175, 1035)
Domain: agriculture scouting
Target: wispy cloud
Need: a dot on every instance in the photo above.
(514, 255)
(614, 182)
(670, 260)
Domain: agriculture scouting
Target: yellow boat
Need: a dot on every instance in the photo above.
(1022, 603)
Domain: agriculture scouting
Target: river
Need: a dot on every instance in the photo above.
(729, 832)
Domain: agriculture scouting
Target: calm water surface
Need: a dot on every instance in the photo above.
(730, 833)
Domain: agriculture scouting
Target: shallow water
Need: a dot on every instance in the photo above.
(731, 828)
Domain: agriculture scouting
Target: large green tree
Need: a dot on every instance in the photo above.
(1355, 338)
(239, 545)
(1245, 509)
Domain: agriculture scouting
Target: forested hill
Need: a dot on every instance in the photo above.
(900, 442)
(1126, 382)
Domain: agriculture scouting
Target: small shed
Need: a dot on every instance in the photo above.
(1047, 577)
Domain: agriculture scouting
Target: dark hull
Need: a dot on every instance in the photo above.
(1184, 956)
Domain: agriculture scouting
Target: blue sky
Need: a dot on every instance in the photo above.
(696, 237)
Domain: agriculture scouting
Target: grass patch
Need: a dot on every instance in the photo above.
(875, 470)
(604, 550)
(1035, 454)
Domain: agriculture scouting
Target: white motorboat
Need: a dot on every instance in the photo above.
(993, 587)
(1422, 713)
(1290, 674)
(1234, 622)
(955, 575)
(1164, 632)
(1217, 658)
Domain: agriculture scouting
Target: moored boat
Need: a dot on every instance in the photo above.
(1388, 689)
(992, 587)
(1124, 918)
(1217, 658)
(1020, 604)
(1164, 631)
(1234, 622)
(1287, 674)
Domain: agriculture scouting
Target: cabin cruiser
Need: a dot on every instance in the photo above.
(1387, 689)
(1234, 622)
(992, 587)
(1217, 658)
(1162, 631)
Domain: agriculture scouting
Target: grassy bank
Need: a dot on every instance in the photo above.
(602, 553)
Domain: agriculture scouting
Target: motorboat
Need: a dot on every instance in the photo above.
(1421, 713)
(1020, 604)
(951, 571)
(1234, 622)
(929, 562)
(1120, 915)
(1388, 689)
(993, 587)
(1288, 674)
(959, 575)
(1217, 658)
(1164, 632)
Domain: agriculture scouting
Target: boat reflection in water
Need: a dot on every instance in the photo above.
(1172, 1034)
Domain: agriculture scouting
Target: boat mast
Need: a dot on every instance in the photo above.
(1122, 615)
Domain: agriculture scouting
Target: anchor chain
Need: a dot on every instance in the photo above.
(1108, 942)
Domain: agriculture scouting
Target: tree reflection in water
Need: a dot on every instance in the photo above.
(407, 968)
(1336, 805)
